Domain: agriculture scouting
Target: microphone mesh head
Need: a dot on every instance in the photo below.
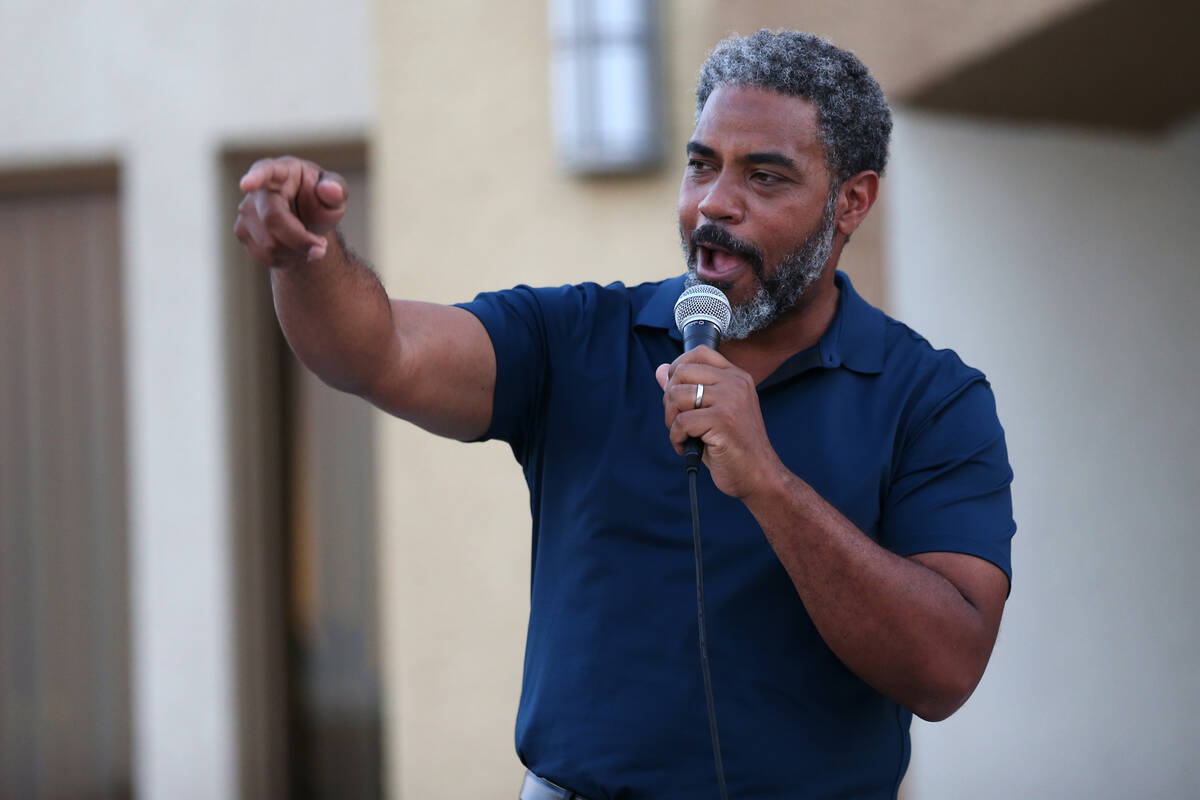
(703, 302)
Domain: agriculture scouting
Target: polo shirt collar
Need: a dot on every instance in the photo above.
(659, 311)
(854, 338)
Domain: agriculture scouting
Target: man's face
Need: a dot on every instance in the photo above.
(756, 213)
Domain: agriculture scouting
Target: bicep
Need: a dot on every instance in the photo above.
(440, 372)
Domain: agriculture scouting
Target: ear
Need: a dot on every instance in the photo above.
(855, 199)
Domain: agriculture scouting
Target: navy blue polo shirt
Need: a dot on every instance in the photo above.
(903, 439)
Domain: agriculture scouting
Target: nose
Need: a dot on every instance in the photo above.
(722, 202)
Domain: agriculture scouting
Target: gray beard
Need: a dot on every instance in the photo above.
(780, 290)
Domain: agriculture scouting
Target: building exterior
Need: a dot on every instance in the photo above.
(129, 111)
(1036, 218)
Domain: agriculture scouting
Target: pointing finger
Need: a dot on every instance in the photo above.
(281, 173)
(270, 173)
(252, 181)
(258, 176)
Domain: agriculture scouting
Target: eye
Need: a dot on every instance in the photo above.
(767, 178)
(696, 165)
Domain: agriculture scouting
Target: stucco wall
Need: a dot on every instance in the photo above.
(160, 88)
(472, 198)
(1063, 264)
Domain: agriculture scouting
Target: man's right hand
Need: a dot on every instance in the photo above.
(431, 364)
(290, 205)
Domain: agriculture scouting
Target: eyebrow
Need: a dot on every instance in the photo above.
(778, 159)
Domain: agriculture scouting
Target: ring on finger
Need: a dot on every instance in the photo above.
(699, 394)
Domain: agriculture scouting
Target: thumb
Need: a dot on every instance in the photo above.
(322, 203)
(662, 375)
(331, 190)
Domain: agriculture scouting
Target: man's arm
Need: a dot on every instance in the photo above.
(920, 630)
(430, 364)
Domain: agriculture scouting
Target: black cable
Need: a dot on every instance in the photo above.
(708, 692)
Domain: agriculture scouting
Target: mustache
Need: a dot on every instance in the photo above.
(716, 236)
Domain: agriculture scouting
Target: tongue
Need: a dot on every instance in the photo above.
(722, 262)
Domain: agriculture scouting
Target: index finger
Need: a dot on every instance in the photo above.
(267, 173)
(691, 374)
(701, 355)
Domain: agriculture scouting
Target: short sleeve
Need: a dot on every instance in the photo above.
(951, 489)
(530, 330)
(515, 322)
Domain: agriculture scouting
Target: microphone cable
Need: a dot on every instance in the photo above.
(702, 312)
(693, 466)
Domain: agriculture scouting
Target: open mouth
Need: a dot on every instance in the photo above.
(717, 264)
(720, 256)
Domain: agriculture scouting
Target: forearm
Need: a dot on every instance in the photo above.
(900, 626)
(336, 317)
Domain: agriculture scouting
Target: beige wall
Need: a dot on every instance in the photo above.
(1063, 263)
(471, 198)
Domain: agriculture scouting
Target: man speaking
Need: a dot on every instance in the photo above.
(855, 490)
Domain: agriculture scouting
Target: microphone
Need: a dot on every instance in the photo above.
(702, 314)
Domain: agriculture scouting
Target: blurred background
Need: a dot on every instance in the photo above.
(219, 579)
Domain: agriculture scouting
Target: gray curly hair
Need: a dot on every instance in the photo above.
(853, 115)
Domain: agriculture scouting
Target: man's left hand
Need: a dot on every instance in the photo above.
(729, 421)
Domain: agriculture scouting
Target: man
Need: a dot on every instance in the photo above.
(856, 503)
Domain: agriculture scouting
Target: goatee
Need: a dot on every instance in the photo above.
(777, 292)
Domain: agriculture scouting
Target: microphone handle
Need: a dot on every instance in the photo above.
(700, 332)
(695, 334)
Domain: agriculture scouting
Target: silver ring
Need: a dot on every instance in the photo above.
(699, 394)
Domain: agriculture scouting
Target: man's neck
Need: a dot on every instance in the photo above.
(763, 352)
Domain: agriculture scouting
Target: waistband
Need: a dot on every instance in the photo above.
(536, 788)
